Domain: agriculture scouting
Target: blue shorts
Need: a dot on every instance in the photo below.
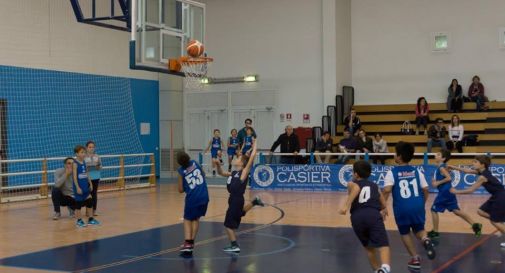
(232, 152)
(194, 213)
(405, 229)
(214, 153)
(443, 203)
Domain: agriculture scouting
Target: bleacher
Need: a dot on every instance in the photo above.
(387, 119)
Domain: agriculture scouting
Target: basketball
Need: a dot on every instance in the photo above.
(195, 48)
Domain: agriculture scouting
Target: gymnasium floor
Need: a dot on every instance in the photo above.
(300, 232)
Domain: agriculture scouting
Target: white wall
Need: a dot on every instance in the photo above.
(392, 60)
(45, 34)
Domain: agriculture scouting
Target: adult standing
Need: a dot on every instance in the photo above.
(454, 97)
(62, 194)
(242, 133)
(289, 144)
(94, 165)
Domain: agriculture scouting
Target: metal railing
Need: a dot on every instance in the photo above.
(122, 172)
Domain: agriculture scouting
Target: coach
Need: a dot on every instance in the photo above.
(289, 144)
(63, 192)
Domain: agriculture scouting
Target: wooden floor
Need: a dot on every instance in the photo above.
(28, 226)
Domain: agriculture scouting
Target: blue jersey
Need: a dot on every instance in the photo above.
(408, 195)
(443, 189)
(215, 146)
(194, 184)
(248, 141)
(232, 149)
(82, 181)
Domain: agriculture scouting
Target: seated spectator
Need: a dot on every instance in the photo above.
(63, 192)
(324, 145)
(422, 112)
(289, 144)
(437, 134)
(347, 145)
(455, 97)
(456, 132)
(476, 94)
(352, 123)
(379, 146)
(365, 143)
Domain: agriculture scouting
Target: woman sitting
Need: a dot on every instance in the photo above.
(455, 97)
(422, 111)
(456, 131)
(476, 94)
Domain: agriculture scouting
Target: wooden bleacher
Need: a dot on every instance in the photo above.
(387, 119)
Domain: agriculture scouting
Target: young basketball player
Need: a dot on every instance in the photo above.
(82, 188)
(368, 208)
(232, 147)
(410, 193)
(494, 208)
(215, 147)
(445, 200)
(236, 185)
(248, 142)
(192, 182)
(94, 164)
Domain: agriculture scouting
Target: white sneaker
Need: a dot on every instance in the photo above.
(502, 245)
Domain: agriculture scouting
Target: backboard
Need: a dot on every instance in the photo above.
(162, 29)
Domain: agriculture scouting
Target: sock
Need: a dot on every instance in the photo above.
(79, 219)
(187, 241)
(386, 266)
(234, 243)
(90, 219)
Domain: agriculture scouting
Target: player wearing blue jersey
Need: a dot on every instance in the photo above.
(192, 182)
(494, 208)
(368, 209)
(410, 192)
(215, 147)
(82, 188)
(446, 200)
(233, 145)
(248, 142)
(236, 186)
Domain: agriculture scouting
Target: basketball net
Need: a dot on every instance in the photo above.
(195, 70)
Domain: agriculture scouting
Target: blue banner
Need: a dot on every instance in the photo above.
(331, 177)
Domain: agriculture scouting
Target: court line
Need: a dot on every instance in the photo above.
(463, 253)
(174, 249)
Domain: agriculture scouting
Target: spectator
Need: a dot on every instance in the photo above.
(455, 97)
(347, 145)
(437, 134)
(242, 133)
(476, 93)
(422, 112)
(379, 146)
(289, 144)
(352, 123)
(456, 132)
(365, 143)
(63, 192)
(94, 165)
(324, 145)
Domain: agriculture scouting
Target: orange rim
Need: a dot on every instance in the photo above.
(193, 60)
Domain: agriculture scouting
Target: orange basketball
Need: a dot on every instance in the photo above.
(195, 48)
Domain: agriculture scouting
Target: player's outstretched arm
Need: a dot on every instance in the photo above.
(465, 170)
(219, 169)
(353, 190)
(471, 189)
(247, 168)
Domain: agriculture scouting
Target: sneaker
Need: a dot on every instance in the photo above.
(186, 247)
(502, 245)
(94, 222)
(477, 229)
(80, 223)
(71, 212)
(415, 263)
(382, 270)
(433, 234)
(257, 202)
(430, 249)
(56, 216)
(232, 249)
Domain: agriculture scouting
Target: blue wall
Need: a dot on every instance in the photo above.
(49, 112)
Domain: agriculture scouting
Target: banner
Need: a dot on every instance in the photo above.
(331, 177)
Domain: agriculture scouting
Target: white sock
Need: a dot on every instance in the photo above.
(387, 267)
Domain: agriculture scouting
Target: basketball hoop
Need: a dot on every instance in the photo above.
(195, 70)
